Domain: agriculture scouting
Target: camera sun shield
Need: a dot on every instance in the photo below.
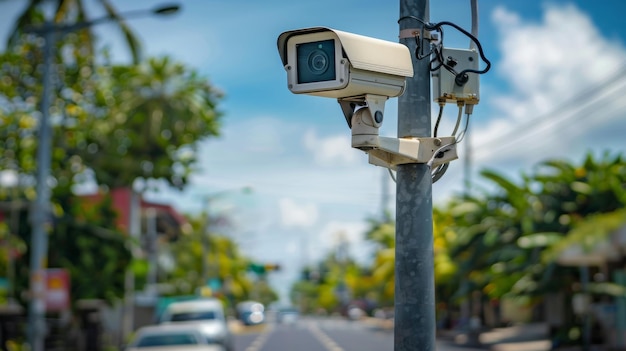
(362, 73)
(330, 63)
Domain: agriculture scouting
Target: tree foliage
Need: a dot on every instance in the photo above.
(332, 284)
(111, 124)
(505, 238)
(506, 242)
(226, 264)
(148, 122)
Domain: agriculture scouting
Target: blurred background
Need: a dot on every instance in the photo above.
(150, 152)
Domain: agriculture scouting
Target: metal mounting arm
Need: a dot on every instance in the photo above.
(390, 152)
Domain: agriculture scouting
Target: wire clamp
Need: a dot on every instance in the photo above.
(391, 152)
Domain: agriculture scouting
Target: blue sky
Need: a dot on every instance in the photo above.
(309, 187)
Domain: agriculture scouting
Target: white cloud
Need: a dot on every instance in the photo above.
(293, 214)
(548, 64)
(333, 150)
(549, 57)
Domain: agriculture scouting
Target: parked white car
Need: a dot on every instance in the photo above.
(172, 337)
(207, 314)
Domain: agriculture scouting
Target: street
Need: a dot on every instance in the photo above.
(317, 334)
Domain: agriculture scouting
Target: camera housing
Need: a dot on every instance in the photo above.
(326, 62)
(362, 73)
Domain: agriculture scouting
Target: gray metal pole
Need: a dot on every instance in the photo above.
(584, 279)
(414, 282)
(153, 271)
(41, 207)
(134, 228)
(206, 242)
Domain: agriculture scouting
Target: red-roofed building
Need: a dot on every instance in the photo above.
(169, 222)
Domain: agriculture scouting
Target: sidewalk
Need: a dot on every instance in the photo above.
(527, 337)
(530, 337)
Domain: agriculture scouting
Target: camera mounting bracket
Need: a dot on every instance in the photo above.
(390, 152)
(374, 103)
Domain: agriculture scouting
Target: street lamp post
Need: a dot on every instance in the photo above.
(206, 201)
(41, 207)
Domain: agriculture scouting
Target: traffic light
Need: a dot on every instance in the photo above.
(269, 267)
(256, 268)
(261, 269)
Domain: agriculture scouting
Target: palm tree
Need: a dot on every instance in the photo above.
(72, 11)
(507, 243)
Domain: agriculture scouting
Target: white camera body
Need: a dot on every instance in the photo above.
(361, 73)
(325, 62)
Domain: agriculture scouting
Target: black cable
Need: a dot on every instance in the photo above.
(435, 59)
(438, 50)
(418, 50)
(434, 47)
(419, 47)
(461, 77)
(438, 120)
(437, 26)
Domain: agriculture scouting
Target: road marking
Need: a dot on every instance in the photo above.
(257, 344)
(328, 343)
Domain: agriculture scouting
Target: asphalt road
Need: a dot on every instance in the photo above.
(309, 334)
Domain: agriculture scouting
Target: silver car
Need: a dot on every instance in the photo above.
(207, 314)
(172, 337)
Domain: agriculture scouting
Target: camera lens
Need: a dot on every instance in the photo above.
(316, 61)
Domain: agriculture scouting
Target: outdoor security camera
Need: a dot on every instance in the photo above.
(359, 71)
(362, 73)
(326, 62)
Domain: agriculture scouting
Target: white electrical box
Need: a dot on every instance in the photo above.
(445, 88)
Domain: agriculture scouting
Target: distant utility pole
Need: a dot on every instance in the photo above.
(414, 282)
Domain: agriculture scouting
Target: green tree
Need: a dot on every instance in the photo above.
(153, 116)
(95, 254)
(226, 263)
(488, 228)
(383, 235)
(169, 106)
(503, 238)
(334, 282)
